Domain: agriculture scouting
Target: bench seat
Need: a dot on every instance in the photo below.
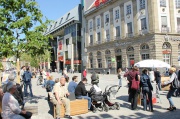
(77, 107)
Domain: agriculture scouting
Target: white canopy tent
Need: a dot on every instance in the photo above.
(152, 64)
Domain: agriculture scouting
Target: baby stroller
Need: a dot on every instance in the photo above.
(97, 98)
(109, 94)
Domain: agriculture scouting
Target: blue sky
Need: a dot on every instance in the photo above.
(54, 9)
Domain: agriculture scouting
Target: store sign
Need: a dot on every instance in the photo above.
(166, 52)
(113, 59)
(170, 38)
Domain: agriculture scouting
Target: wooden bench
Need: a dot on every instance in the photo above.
(77, 107)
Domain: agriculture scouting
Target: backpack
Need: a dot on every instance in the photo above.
(48, 87)
(176, 82)
(27, 76)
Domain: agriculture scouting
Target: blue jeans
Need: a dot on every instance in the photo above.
(159, 85)
(120, 82)
(169, 95)
(85, 97)
(146, 92)
(26, 84)
(45, 81)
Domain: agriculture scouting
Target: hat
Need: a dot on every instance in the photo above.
(10, 84)
(11, 77)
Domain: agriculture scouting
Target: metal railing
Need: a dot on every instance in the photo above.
(129, 35)
(143, 31)
(164, 29)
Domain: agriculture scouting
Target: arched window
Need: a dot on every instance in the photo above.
(130, 49)
(167, 52)
(98, 53)
(144, 52)
(108, 52)
(144, 47)
(90, 54)
(118, 51)
(166, 45)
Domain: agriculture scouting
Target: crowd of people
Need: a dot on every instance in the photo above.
(11, 94)
(12, 97)
(143, 84)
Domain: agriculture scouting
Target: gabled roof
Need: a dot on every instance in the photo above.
(72, 15)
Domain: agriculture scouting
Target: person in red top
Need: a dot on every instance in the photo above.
(84, 73)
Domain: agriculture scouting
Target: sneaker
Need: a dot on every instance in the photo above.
(57, 117)
(68, 117)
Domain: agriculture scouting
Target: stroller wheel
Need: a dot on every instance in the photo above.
(106, 108)
(94, 109)
(117, 106)
(101, 108)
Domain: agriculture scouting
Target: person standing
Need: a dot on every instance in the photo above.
(119, 74)
(44, 74)
(27, 82)
(173, 76)
(23, 68)
(65, 72)
(73, 84)
(133, 93)
(157, 75)
(151, 75)
(84, 73)
(146, 90)
(81, 92)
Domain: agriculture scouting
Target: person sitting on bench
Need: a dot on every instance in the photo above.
(61, 94)
(81, 92)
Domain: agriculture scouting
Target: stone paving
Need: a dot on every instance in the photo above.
(45, 112)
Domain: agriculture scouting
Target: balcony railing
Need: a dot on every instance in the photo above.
(117, 37)
(91, 44)
(178, 30)
(129, 35)
(98, 42)
(165, 30)
(143, 31)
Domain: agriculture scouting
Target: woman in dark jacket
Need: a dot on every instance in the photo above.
(146, 90)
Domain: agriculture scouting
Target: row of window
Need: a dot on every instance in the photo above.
(117, 32)
(144, 55)
(163, 3)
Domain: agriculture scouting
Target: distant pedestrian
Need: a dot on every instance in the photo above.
(65, 72)
(23, 69)
(146, 90)
(157, 75)
(44, 73)
(27, 82)
(120, 75)
(84, 73)
(151, 75)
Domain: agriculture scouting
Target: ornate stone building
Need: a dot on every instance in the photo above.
(120, 33)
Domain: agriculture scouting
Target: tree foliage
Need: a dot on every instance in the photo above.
(19, 35)
(36, 60)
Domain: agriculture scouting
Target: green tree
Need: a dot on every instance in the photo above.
(19, 35)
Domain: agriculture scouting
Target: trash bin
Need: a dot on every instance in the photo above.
(107, 72)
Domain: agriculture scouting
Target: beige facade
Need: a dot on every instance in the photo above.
(144, 29)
